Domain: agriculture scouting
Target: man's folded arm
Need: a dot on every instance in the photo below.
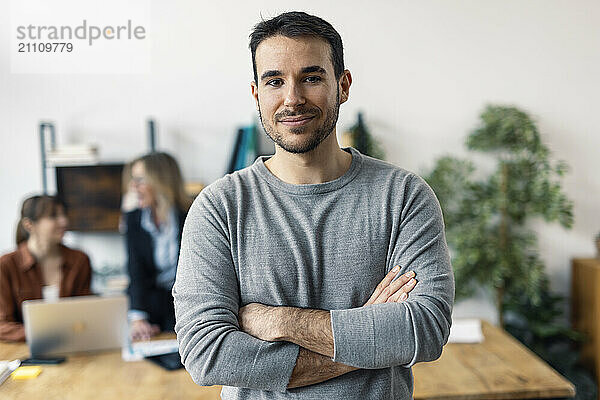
(213, 349)
(371, 337)
(395, 334)
(416, 330)
(392, 334)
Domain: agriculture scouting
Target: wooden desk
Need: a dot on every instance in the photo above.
(498, 368)
(101, 376)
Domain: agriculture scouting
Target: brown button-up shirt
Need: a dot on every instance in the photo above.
(21, 279)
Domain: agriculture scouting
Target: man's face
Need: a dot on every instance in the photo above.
(297, 95)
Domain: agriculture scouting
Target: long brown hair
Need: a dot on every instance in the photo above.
(164, 176)
(34, 208)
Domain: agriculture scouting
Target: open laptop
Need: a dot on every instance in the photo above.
(75, 324)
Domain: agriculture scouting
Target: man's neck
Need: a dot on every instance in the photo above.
(323, 164)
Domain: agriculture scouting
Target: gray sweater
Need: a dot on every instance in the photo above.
(250, 237)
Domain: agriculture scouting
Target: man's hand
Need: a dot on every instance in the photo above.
(396, 291)
(263, 322)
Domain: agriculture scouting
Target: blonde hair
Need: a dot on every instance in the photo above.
(164, 176)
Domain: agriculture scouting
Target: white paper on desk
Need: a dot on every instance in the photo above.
(137, 351)
(7, 368)
(467, 330)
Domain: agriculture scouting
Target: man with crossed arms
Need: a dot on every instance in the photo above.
(285, 286)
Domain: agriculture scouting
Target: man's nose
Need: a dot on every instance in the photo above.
(293, 96)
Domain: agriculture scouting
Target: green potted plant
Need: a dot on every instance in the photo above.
(491, 245)
(486, 217)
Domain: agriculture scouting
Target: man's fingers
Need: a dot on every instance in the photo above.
(390, 290)
(402, 293)
(404, 284)
(385, 293)
(383, 284)
(402, 281)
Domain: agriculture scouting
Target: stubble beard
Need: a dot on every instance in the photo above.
(319, 135)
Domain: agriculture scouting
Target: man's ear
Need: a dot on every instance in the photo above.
(345, 82)
(254, 89)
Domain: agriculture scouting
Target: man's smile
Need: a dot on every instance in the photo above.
(296, 121)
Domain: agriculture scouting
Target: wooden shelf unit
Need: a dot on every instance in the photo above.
(585, 308)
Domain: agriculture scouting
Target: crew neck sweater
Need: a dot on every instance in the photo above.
(251, 237)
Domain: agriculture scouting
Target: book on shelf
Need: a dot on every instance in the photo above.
(73, 155)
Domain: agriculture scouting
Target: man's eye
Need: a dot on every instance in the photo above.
(313, 79)
(275, 82)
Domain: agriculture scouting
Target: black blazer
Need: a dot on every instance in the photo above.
(143, 292)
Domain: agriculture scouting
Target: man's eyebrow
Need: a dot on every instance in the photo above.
(313, 68)
(305, 70)
(269, 74)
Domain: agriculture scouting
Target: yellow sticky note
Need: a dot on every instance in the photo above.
(27, 372)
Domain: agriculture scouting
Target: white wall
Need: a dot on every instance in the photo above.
(422, 73)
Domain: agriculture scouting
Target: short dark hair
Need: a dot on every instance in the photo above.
(294, 24)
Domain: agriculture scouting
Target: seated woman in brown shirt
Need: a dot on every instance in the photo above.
(41, 267)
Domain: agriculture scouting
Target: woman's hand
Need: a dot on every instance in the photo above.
(141, 329)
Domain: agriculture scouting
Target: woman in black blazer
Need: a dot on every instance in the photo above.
(153, 236)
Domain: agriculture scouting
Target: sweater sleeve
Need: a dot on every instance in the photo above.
(402, 334)
(206, 296)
